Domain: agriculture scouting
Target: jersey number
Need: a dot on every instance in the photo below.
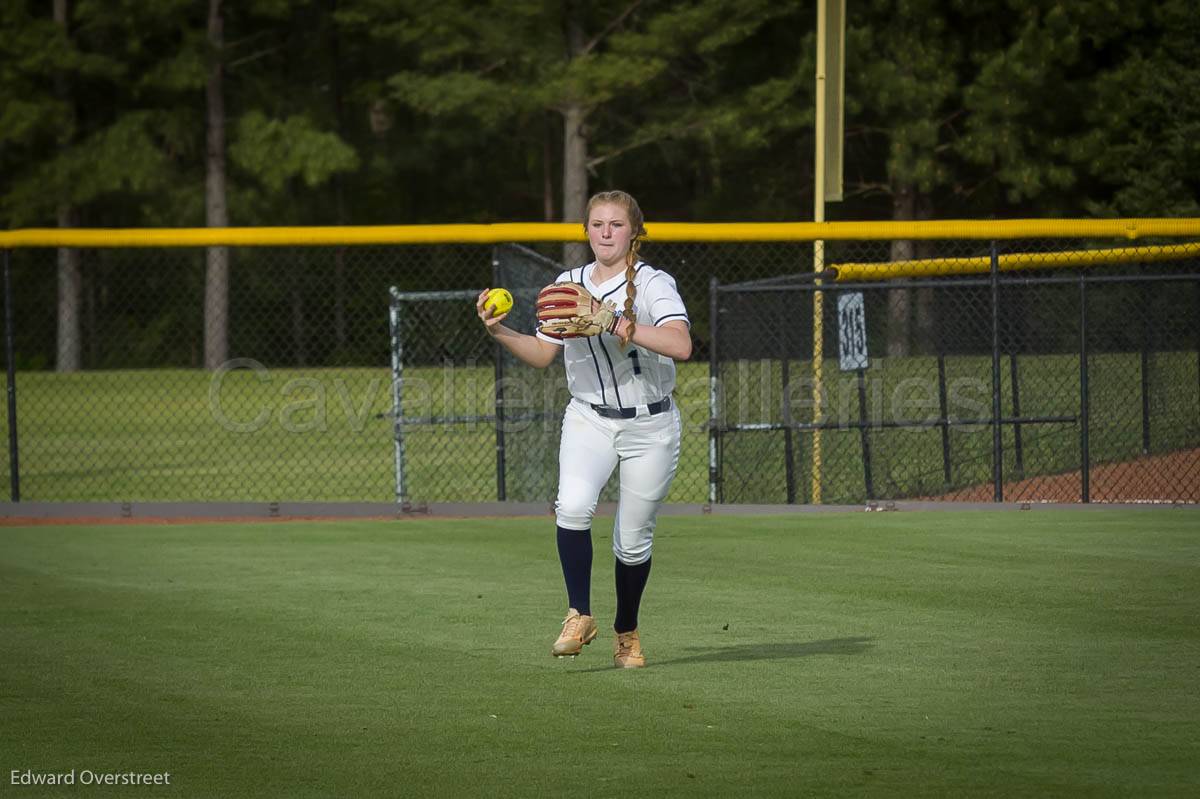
(633, 356)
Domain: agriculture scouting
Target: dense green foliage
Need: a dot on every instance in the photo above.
(398, 111)
(343, 111)
(1040, 653)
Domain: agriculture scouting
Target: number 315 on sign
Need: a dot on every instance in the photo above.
(852, 331)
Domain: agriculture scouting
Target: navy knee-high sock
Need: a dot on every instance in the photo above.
(575, 554)
(631, 582)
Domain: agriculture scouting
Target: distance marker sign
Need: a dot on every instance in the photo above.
(852, 332)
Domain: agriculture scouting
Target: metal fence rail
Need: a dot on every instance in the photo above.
(1078, 381)
(1068, 388)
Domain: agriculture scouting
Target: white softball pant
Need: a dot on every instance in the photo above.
(646, 447)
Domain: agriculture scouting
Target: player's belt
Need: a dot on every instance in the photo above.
(663, 404)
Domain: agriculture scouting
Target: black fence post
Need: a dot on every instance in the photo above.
(498, 371)
(789, 468)
(1018, 447)
(14, 459)
(943, 406)
(997, 443)
(714, 439)
(1084, 456)
(1146, 345)
(865, 434)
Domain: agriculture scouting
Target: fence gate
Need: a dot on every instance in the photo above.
(471, 422)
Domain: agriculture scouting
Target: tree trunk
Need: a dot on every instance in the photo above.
(339, 299)
(926, 311)
(899, 301)
(339, 188)
(70, 294)
(216, 279)
(68, 356)
(574, 181)
(547, 172)
(299, 352)
(90, 301)
(575, 150)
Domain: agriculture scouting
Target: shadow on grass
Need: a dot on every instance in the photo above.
(772, 651)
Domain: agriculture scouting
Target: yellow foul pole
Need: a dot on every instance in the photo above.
(818, 354)
(827, 185)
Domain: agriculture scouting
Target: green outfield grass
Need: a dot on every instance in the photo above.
(1042, 653)
(326, 434)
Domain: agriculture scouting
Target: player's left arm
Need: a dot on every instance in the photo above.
(672, 339)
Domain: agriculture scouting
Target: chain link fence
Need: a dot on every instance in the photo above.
(1072, 385)
(362, 374)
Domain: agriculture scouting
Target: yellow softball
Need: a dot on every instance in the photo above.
(499, 300)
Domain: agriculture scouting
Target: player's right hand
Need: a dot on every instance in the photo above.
(490, 321)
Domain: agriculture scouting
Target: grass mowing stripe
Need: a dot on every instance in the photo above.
(891, 654)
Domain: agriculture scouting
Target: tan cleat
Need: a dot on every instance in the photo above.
(577, 632)
(627, 652)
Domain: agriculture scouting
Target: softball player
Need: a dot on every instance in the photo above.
(621, 414)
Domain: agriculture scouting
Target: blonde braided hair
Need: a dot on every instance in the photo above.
(637, 221)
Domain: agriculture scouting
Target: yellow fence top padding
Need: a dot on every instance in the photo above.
(1128, 229)
(1009, 262)
(291, 236)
